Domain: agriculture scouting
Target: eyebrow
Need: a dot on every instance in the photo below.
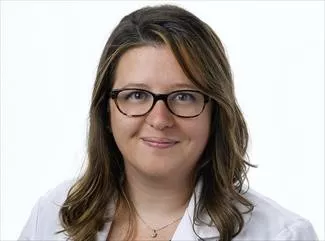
(172, 86)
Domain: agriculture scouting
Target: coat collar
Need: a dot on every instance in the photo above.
(185, 230)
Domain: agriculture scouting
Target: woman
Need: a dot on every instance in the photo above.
(166, 147)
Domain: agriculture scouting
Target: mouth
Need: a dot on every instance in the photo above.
(161, 143)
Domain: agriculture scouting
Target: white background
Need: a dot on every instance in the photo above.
(49, 54)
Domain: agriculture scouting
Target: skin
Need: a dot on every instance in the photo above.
(158, 174)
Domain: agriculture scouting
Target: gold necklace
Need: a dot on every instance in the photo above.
(155, 230)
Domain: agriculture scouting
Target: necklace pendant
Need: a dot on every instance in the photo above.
(154, 234)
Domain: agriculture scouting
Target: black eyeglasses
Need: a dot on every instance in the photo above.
(138, 102)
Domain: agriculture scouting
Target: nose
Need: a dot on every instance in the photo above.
(160, 117)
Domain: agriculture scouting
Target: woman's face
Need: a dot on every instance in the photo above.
(158, 144)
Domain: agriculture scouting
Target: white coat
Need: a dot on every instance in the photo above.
(268, 221)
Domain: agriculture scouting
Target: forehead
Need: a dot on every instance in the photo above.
(150, 67)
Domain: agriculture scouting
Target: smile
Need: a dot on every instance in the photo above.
(161, 143)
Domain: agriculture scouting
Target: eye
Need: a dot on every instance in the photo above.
(184, 97)
(137, 95)
(134, 95)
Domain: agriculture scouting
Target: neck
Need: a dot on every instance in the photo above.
(155, 197)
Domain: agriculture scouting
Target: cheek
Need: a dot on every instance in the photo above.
(122, 126)
(199, 130)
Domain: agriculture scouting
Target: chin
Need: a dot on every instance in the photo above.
(157, 171)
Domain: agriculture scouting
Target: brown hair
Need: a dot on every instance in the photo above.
(223, 166)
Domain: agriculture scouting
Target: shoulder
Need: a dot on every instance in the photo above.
(44, 219)
(58, 194)
(51, 202)
(271, 221)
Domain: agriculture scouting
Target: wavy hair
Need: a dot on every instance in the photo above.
(224, 163)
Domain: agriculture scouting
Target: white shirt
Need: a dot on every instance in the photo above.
(268, 221)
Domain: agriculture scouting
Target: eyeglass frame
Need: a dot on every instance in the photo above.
(156, 97)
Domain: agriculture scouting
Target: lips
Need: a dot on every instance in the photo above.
(158, 142)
